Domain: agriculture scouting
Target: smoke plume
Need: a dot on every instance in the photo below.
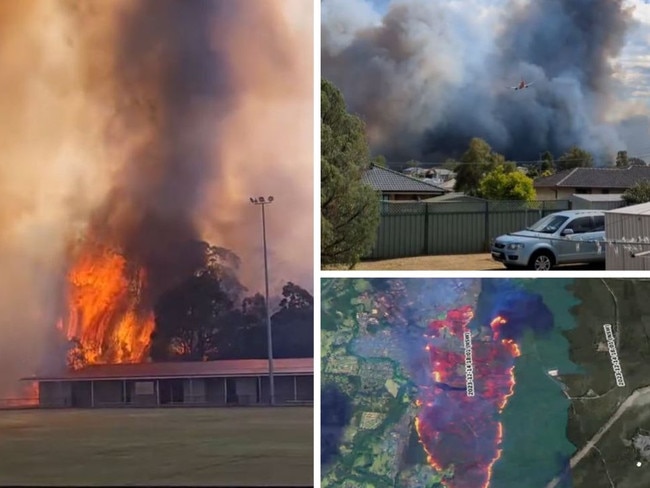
(429, 76)
(143, 125)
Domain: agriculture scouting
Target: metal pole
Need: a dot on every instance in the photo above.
(268, 313)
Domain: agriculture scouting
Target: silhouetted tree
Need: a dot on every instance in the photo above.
(575, 158)
(621, 159)
(349, 208)
(478, 160)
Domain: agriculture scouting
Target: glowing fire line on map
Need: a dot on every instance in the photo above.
(463, 318)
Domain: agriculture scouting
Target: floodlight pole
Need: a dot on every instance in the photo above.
(262, 202)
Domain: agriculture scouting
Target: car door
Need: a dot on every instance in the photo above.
(596, 239)
(579, 245)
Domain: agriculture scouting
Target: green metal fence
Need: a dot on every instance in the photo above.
(430, 228)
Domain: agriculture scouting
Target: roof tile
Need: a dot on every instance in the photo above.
(387, 180)
(621, 178)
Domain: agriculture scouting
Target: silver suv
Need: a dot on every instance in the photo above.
(573, 236)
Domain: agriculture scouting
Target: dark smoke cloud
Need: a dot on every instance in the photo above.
(427, 77)
(173, 79)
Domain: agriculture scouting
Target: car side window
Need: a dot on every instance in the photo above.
(581, 225)
(599, 223)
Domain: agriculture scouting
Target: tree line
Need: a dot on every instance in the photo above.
(208, 316)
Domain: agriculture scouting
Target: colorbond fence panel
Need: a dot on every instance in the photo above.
(435, 228)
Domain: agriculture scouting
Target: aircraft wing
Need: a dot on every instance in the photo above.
(531, 83)
(514, 88)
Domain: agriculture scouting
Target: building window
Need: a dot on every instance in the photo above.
(583, 191)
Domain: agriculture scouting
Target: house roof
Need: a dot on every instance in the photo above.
(454, 197)
(622, 178)
(201, 369)
(387, 180)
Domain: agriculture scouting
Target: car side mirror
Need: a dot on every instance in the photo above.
(567, 232)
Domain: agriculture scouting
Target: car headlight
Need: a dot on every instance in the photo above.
(513, 246)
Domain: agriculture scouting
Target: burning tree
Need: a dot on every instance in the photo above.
(113, 318)
(105, 321)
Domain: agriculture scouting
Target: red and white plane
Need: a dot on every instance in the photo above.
(522, 84)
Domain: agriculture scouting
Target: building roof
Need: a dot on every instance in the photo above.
(622, 178)
(180, 369)
(387, 180)
(598, 197)
(455, 197)
(642, 208)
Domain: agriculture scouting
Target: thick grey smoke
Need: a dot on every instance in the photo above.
(141, 125)
(429, 76)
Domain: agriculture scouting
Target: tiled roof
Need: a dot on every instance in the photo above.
(387, 180)
(236, 367)
(595, 178)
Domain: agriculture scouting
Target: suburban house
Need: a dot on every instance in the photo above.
(576, 181)
(395, 186)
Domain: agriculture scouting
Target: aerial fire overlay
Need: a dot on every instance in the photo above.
(131, 131)
(484, 383)
(450, 420)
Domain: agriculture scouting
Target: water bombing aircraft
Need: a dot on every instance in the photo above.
(522, 84)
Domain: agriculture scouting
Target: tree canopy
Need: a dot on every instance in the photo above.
(207, 316)
(475, 162)
(504, 183)
(575, 157)
(349, 208)
(639, 193)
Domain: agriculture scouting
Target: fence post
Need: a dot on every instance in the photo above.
(426, 229)
(486, 223)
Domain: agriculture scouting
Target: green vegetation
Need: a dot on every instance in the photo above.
(157, 447)
(639, 193)
(349, 209)
(478, 160)
(380, 394)
(506, 183)
(574, 158)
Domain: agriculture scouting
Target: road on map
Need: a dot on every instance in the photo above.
(631, 401)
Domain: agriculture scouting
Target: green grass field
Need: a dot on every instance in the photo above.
(179, 446)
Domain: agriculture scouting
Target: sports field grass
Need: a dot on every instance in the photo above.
(179, 446)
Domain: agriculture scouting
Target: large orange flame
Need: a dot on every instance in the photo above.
(103, 315)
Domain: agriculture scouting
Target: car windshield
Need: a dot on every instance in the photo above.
(549, 224)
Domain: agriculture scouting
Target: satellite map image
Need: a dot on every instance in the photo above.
(485, 383)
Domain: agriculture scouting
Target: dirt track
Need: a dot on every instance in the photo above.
(459, 262)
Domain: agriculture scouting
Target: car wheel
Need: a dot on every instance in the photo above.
(541, 261)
